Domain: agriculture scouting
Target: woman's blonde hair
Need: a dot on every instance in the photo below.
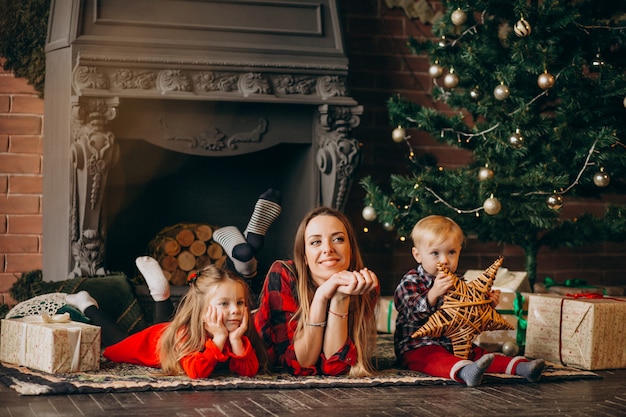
(434, 229)
(186, 334)
(362, 322)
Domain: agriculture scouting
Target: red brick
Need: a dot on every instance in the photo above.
(19, 244)
(3, 224)
(5, 298)
(6, 281)
(5, 103)
(9, 84)
(4, 184)
(20, 204)
(27, 104)
(4, 143)
(23, 262)
(29, 224)
(26, 144)
(26, 184)
(24, 125)
(22, 164)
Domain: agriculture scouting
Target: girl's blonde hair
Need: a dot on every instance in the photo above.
(186, 334)
(434, 229)
(361, 320)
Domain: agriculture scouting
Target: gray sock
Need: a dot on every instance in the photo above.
(473, 374)
(531, 370)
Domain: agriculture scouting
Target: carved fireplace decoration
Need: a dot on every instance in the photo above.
(210, 79)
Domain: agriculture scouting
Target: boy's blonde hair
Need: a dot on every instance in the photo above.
(434, 229)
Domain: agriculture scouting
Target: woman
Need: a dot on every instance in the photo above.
(316, 313)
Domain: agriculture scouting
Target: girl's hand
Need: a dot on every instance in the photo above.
(494, 296)
(213, 322)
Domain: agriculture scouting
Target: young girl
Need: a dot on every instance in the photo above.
(438, 239)
(316, 313)
(210, 326)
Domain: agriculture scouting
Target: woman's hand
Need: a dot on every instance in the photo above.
(358, 282)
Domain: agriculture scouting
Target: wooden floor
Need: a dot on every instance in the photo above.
(597, 397)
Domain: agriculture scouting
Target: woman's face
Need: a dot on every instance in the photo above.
(327, 247)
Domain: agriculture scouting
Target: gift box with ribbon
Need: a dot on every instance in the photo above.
(386, 315)
(584, 330)
(50, 344)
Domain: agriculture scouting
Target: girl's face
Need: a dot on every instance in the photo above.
(327, 248)
(229, 298)
(447, 252)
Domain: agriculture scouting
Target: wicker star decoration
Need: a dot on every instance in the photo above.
(466, 312)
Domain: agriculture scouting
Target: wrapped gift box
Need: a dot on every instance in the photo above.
(386, 314)
(55, 347)
(510, 284)
(587, 333)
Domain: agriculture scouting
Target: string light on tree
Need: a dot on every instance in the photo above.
(601, 178)
(597, 63)
(492, 206)
(398, 134)
(522, 28)
(555, 201)
(501, 92)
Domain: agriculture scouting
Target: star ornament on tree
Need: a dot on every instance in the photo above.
(466, 312)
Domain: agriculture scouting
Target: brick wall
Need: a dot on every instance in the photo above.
(21, 183)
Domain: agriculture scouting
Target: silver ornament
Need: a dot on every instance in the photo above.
(510, 348)
(545, 80)
(624, 102)
(398, 134)
(458, 17)
(485, 173)
(522, 28)
(501, 92)
(451, 80)
(492, 206)
(435, 71)
(555, 201)
(388, 226)
(516, 140)
(369, 213)
(601, 178)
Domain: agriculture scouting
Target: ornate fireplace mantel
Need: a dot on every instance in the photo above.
(116, 71)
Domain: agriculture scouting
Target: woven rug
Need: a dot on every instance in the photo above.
(115, 377)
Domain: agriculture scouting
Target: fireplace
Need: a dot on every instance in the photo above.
(161, 111)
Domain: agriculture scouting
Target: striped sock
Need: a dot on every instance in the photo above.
(266, 210)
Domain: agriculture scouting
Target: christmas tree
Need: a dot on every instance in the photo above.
(536, 91)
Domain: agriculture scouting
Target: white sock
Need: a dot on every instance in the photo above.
(153, 274)
(81, 300)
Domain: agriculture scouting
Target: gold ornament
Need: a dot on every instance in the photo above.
(388, 226)
(485, 173)
(466, 312)
(435, 70)
(555, 201)
(451, 80)
(522, 28)
(601, 178)
(369, 213)
(458, 17)
(545, 80)
(624, 102)
(492, 206)
(516, 140)
(510, 348)
(501, 92)
(476, 94)
(398, 134)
